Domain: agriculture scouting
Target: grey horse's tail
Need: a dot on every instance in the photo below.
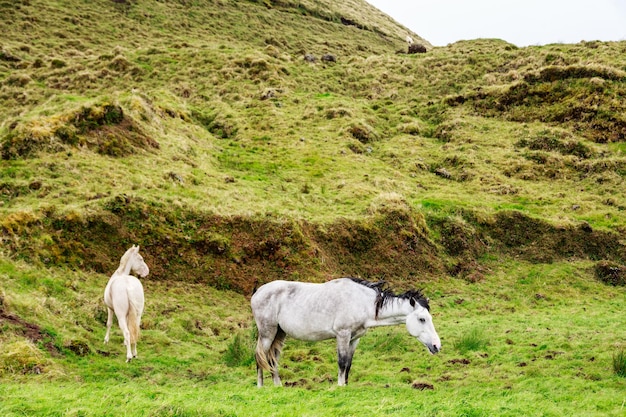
(269, 360)
(261, 357)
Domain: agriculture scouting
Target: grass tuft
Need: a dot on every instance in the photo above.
(240, 351)
(471, 341)
(22, 357)
(619, 363)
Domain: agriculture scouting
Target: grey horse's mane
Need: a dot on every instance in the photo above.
(384, 295)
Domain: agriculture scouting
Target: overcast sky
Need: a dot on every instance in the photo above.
(520, 22)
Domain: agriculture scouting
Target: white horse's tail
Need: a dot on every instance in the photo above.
(133, 321)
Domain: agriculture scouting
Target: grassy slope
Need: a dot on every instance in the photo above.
(223, 116)
(302, 136)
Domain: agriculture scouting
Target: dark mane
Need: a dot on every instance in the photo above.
(378, 286)
(385, 295)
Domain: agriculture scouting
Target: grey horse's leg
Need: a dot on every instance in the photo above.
(269, 346)
(259, 375)
(277, 347)
(264, 344)
(344, 356)
(352, 347)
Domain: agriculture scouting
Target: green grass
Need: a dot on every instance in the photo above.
(537, 354)
(474, 340)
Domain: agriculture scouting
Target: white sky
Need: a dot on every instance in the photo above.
(520, 22)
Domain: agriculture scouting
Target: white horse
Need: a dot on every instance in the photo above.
(123, 296)
(343, 309)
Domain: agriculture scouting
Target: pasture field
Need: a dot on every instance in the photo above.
(529, 339)
(489, 175)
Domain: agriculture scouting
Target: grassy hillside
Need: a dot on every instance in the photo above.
(213, 134)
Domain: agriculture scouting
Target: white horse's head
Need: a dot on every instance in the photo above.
(132, 261)
(420, 324)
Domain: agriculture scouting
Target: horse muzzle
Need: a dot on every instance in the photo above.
(433, 349)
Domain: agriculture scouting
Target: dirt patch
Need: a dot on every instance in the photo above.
(233, 252)
(29, 330)
(78, 347)
(536, 240)
(459, 237)
(241, 253)
(468, 269)
(301, 383)
(611, 273)
(422, 386)
(462, 361)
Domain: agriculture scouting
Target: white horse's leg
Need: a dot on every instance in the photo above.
(344, 357)
(109, 323)
(138, 327)
(136, 304)
(124, 327)
(135, 323)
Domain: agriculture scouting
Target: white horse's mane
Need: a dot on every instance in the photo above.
(126, 257)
